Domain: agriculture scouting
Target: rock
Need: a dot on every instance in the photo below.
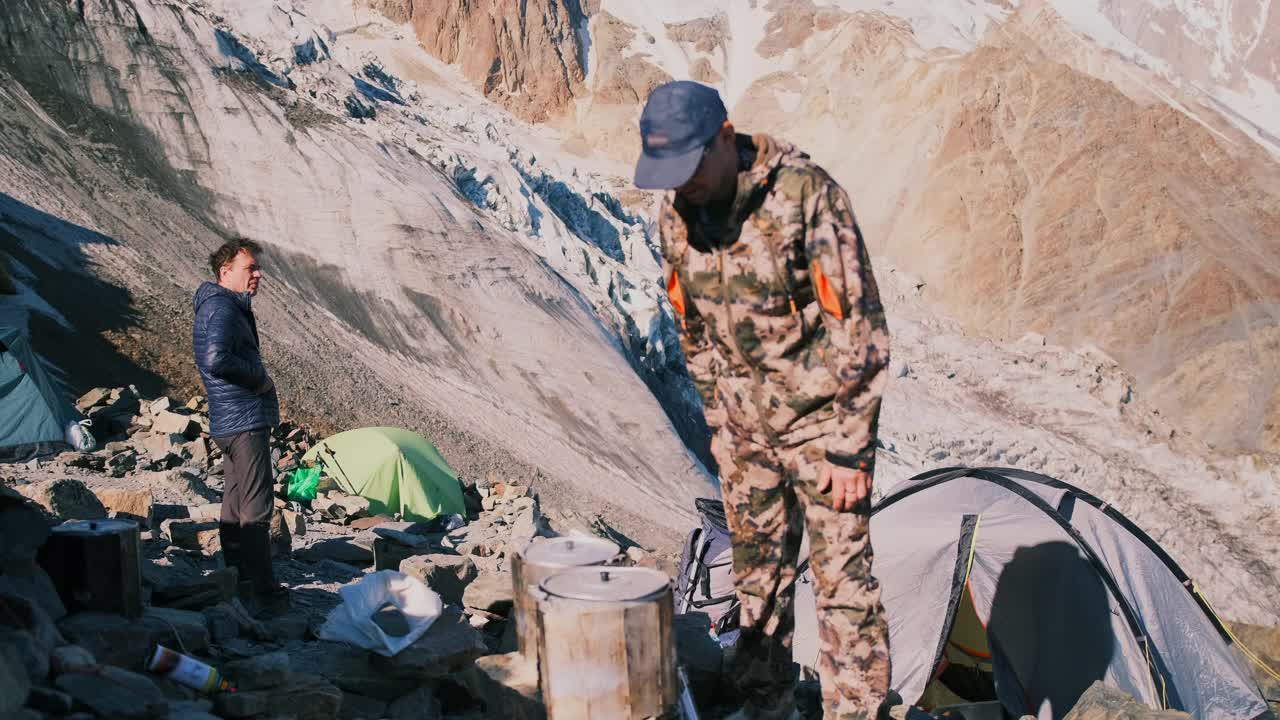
(281, 538)
(368, 523)
(527, 526)
(112, 639)
(198, 451)
(127, 503)
(448, 575)
(65, 499)
(642, 558)
(33, 655)
(507, 685)
(389, 555)
(70, 658)
(1265, 643)
(197, 403)
(160, 446)
(168, 624)
(185, 587)
(342, 507)
(359, 707)
(515, 491)
(93, 398)
(421, 704)
(115, 640)
(447, 646)
(287, 628)
(193, 535)
(224, 623)
(122, 463)
(491, 592)
(489, 503)
(27, 579)
(15, 683)
(1101, 702)
(210, 511)
(23, 527)
(50, 701)
(159, 405)
(115, 693)
(162, 512)
(347, 667)
(174, 424)
(296, 522)
(304, 698)
(260, 672)
(339, 550)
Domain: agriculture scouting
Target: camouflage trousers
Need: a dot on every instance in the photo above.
(770, 498)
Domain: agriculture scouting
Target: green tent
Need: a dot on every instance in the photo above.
(34, 414)
(397, 470)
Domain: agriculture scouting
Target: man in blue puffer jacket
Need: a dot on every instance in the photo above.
(243, 408)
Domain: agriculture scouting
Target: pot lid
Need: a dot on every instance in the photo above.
(570, 551)
(94, 527)
(606, 584)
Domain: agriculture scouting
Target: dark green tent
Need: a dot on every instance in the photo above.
(34, 413)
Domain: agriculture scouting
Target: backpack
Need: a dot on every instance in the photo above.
(706, 584)
(705, 581)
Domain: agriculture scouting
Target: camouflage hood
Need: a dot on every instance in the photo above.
(759, 157)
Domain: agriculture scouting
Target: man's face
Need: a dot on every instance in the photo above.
(715, 180)
(242, 274)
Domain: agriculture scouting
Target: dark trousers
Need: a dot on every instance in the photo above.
(247, 505)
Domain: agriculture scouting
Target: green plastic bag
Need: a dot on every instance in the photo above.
(303, 483)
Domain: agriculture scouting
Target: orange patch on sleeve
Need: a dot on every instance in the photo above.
(827, 294)
(676, 292)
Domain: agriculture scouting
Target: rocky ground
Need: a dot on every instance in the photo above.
(159, 469)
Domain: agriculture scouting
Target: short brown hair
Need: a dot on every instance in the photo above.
(228, 251)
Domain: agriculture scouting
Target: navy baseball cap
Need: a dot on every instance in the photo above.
(678, 121)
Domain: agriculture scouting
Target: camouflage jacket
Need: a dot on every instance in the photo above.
(782, 327)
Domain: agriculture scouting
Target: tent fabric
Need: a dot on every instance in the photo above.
(1068, 590)
(32, 410)
(397, 470)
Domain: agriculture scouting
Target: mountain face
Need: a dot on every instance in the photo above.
(1077, 256)
(426, 262)
(1101, 172)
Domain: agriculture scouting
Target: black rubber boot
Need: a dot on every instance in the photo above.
(264, 596)
(229, 538)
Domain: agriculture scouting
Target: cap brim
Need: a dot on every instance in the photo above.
(666, 173)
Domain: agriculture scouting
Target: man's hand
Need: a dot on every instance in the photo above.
(847, 487)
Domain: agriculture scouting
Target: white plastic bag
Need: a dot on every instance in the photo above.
(78, 435)
(352, 621)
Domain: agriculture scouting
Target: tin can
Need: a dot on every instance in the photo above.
(186, 670)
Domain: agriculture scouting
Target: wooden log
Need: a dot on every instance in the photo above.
(538, 561)
(94, 566)
(611, 655)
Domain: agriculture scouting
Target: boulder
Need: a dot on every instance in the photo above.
(15, 683)
(1101, 702)
(175, 424)
(421, 704)
(193, 535)
(161, 445)
(303, 698)
(350, 668)
(198, 451)
(341, 550)
(281, 538)
(65, 499)
(491, 592)
(115, 640)
(296, 522)
(449, 645)
(159, 405)
(259, 672)
(27, 579)
(507, 685)
(70, 658)
(92, 399)
(130, 504)
(48, 700)
(359, 707)
(448, 575)
(115, 693)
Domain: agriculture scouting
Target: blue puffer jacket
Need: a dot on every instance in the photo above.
(225, 340)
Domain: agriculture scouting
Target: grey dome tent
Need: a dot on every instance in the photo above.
(1009, 586)
(34, 413)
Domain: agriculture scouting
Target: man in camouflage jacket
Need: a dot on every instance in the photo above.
(785, 337)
